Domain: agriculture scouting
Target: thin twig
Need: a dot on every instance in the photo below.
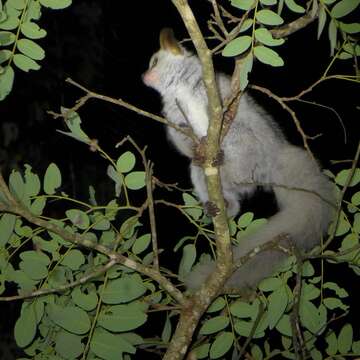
(149, 190)
(62, 288)
(292, 114)
(294, 26)
(93, 95)
(217, 17)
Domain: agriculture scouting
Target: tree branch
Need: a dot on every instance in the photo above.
(15, 208)
(93, 95)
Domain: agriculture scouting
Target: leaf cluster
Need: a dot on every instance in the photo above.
(20, 33)
(260, 19)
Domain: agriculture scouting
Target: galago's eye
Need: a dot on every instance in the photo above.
(153, 62)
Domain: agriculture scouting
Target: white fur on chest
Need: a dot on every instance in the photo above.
(194, 109)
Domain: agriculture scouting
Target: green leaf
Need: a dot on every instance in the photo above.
(254, 226)
(32, 30)
(141, 244)
(38, 206)
(128, 227)
(23, 281)
(245, 70)
(264, 36)
(10, 23)
(244, 328)
(17, 185)
(34, 270)
(345, 56)
(356, 347)
(316, 354)
(35, 256)
(309, 292)
(110, 347)
(356, 225)
(269, 17)
(345, 339)
(31, 49)
(126, 162)
(284, 325)
(310, 316)
(343, 8)
(32, 182)
(293, 6)
(189, 200)
(202, 351)
(135, 180)
(256, 352)
(242, 309)
(73, 122)
(352, 49)
(321, 20)
(133, 338)
(352, 28)
(187, 260)
(270, 284)
(87, 301)
(343, 225)
(332, 36)
(217, 305)
(342, 177)
(332, 347)
(245, 219)
(24, 63)
(247, 24)
(25, 326)
(123, 290)
(166, 332)
(68, 345)
(5, 55)
(221, 345)
(277, 303)
(340, 292)
(268, 2)
(193, 210)
(17, 4)
(79, 218)
(6, 38)
(100, 222)
(333, 303)
(33, 11)
(214, 325)
(7, 225)
(56, 4)
(73, 259)
(355, 199)
(122, 317)
(243, 4)
(116, 177)
(237, 46)
(70, 318)
(52, 179)
(6, 81)
(268, 56)
(307, 269)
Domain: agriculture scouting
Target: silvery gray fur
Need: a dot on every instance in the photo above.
(255, 152)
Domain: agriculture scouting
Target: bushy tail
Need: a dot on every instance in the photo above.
(306, 201)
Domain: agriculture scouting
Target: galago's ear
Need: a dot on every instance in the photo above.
(169, 43)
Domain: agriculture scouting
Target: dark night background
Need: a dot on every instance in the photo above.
(106, 46)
